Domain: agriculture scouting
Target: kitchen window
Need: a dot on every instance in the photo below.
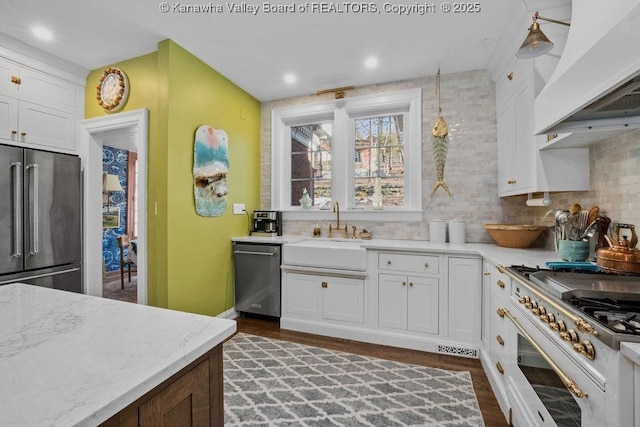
(337, 150)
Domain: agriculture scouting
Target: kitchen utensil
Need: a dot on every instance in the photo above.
(589, 231)
(572, 250)
(622, 255)
(593, 213)
(514, 235)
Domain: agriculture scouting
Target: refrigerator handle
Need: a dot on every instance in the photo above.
(33, 250)
(17, 210)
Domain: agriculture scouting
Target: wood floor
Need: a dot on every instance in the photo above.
(488, 404)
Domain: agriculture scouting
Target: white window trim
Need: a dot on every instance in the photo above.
(341, 112)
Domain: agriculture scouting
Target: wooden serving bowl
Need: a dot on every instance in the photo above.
(514, 235)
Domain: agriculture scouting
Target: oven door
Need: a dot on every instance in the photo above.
(544, 386)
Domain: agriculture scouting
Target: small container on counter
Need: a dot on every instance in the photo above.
(438, 231)
(457, 231)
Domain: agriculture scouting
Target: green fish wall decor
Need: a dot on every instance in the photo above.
(440, 144)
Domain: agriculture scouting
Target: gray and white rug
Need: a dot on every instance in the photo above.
(278, 383)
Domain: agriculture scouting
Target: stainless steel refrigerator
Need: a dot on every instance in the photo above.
(40, 218)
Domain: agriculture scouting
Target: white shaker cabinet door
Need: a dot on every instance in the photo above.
(422, 304)
(302, 295)
(342, 299)
(392, 301)
(46, 127)
(8, 118)
(465, 298)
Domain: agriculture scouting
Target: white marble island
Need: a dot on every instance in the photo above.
(72, 360)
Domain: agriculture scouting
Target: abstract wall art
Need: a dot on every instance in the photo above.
(210, 168)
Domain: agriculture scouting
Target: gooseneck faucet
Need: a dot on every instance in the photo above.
(336, 210)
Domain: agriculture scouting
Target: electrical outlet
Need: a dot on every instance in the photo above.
(238, 208)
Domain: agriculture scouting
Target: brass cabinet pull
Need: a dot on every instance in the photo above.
(585, 348)
(388, 262)
(404, 283)
(325, 284)
(426, 264)
(411, 284)
(500, 284)
(501, 311)
(499, 339)
(511, 181)
(15, 79)
(486, 273)
(23, 134)
(500, 368)
(568, 382)
(510, 76)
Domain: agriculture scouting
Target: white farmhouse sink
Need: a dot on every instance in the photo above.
(343, 254)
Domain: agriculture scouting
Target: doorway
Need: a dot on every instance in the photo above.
(126, 131)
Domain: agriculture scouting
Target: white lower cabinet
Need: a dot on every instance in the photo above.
(465, 299)
(408, 303)
(317, 297)
(405, 298)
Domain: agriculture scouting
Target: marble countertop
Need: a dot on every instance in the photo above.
(631, 350)
(493, 253)
(68, 359)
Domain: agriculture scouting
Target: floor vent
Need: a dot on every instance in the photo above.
(458, 351)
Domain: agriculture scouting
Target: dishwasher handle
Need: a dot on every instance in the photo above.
(255, 253)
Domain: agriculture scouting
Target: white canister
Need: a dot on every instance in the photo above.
(456, 231)
(438, 231)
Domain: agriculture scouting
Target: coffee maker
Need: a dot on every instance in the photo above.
(267, 223)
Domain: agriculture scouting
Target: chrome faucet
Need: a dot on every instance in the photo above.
(336, 210)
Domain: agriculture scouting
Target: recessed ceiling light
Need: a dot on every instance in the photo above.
(371, 62)
(290, 78)
(42, 33)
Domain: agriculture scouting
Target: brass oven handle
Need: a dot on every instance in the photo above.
(568, 382)
(581, 324)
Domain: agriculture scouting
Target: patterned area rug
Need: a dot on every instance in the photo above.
(278, 383)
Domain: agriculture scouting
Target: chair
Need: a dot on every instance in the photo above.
(125, 260)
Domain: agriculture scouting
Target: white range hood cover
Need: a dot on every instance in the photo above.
(602, 53)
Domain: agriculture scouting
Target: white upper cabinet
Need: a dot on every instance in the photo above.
(522, 167)
(37, 108)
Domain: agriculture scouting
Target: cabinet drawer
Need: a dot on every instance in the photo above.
(409, 263)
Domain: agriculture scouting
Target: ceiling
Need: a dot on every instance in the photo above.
(324, 50)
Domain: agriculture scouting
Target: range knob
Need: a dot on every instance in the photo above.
(524, 300)
(585, 348)
(558, 326)
(531, 305)
(539, 311)
(548, 318)
(570, 336)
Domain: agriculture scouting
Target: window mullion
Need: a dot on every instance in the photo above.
(342, 180)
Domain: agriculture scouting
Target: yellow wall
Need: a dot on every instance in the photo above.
(190, 260)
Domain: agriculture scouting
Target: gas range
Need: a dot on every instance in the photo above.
(609, 302)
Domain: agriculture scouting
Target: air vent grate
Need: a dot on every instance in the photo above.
(458, 351)
(627, 103)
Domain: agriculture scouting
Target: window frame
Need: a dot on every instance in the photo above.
(342, 113)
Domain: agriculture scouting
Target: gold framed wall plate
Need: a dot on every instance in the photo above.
(112, 90)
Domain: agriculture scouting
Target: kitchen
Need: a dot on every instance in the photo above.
(179, 247)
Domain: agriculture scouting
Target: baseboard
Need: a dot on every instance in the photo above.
(433, 344)
(230, 314)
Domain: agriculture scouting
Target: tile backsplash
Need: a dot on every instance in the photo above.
(471, 171)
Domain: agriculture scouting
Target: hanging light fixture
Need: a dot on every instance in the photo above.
(536, 43)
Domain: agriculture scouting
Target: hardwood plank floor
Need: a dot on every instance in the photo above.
(488, 403)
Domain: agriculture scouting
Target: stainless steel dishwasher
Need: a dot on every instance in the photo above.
(257, 278)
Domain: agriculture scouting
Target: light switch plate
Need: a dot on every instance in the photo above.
(238, 208)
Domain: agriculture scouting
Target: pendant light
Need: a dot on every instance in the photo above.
(536, 43)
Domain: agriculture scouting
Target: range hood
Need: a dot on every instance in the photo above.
(596, 85)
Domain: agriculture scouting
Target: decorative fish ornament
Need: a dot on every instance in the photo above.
(440, 144)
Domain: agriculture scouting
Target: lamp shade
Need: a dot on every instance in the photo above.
(535, 44)
(111, 184)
